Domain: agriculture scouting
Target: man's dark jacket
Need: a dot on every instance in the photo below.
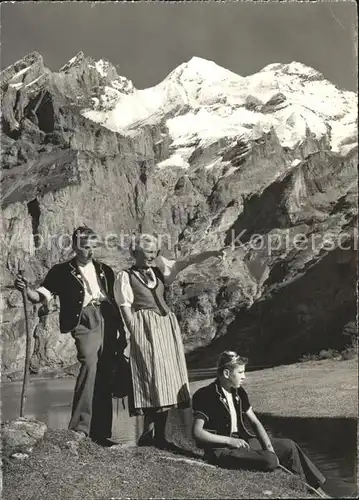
(65, 281)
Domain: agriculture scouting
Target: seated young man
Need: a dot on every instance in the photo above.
(218, 428)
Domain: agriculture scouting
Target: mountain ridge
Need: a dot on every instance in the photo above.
(268, 154)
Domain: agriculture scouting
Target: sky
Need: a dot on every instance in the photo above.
(147, 40)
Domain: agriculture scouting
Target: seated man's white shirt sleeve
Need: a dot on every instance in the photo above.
(123, 290)
(46, 293)
(169, 268)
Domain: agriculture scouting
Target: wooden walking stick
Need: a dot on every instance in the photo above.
(28, 351)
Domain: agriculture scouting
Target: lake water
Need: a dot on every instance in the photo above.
(330, 443)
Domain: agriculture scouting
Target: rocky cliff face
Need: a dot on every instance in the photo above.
(265, 164)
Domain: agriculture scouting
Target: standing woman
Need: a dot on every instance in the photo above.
(158, 365)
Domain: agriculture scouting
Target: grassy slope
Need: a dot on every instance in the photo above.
(56, 471)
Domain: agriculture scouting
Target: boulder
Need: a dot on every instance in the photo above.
(22, 433)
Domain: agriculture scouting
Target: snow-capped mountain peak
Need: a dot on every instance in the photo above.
(203, 101)
(75, 60)
(294, 68)
(105, 85)
(198, 70)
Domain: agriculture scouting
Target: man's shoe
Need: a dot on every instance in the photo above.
(146, 439)
(79, 435)
(103, 441)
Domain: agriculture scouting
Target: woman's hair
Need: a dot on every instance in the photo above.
(229, 359)
(140, 240)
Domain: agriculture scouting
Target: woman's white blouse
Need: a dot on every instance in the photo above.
(123, 290)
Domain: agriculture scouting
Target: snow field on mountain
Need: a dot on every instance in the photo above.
(202, 102)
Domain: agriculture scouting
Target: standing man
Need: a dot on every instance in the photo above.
(89, 312)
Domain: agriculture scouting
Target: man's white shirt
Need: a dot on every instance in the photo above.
(232, 410)
(93, 289)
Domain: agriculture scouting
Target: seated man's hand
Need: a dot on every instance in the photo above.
(237, 443)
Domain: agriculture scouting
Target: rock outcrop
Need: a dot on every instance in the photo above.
(22, 432)
(266, 165)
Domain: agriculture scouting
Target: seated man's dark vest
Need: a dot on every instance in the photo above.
(210, 404)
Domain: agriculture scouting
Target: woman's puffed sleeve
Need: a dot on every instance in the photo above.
(168, 268)
(123, 290)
